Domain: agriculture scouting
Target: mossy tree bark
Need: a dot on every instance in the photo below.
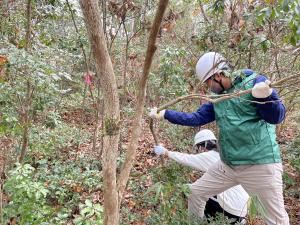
(111, 121)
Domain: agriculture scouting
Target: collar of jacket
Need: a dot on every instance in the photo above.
(244, 73)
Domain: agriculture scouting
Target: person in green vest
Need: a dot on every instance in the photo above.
(249, 153)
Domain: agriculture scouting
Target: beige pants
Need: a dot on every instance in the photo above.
(264, 181)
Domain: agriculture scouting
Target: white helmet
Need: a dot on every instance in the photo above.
(204, 135)
(209, 64)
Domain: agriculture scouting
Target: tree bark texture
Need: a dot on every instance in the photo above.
(111, 120)
(137, 123)
(26, 108)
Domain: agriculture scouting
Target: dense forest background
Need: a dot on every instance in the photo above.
(75, 143)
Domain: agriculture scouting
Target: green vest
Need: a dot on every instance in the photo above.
(244, 137)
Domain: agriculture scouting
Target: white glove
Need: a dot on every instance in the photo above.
(160, 150)
(262, 89)
(156, 115)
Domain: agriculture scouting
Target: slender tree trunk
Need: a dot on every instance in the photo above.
(125, 60)
(137, 123)
(111, 121)
(25, 117)
(26, 107)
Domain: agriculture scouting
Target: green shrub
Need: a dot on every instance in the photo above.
(46, 141)
(51, 192)
(90, 214)
(295, 154)
(168, 195)
(28, 196)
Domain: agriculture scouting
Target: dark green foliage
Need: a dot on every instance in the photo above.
(28, 202)
(218, 6)
(49, 141)
(171, 79)
(50, 193)
(295, 154)
(168, 195)
(90, 214)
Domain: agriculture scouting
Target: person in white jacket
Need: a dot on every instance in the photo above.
(232, 202)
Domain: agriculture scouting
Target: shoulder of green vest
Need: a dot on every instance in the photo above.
(246, 81)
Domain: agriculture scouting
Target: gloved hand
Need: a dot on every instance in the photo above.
(156, 115)
(160, 150)
(262, 89)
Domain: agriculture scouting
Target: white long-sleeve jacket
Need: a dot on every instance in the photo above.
(233, 200)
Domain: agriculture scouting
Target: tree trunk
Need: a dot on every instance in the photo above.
(111, 120)
(137, 123)
(25, 117)
(26, 108)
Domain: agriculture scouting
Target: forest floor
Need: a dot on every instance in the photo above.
(146, 161)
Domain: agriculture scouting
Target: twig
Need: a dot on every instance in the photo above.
(82, 49)
(28, 29)
(294, 91)
(114, 37)
(275, 71)
(250, 54)
(294, 84)
(87, 66)
(153, 132)
(189, 48)
(128, 40)
(192, 96)
(276, 64)
(203, 13)
(78, 36)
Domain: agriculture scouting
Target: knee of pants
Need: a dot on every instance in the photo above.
(197, 194)
(198, 190)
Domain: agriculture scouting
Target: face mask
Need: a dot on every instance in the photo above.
(201, 147)
(217, 87)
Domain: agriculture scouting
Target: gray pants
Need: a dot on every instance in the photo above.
(264, 181)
